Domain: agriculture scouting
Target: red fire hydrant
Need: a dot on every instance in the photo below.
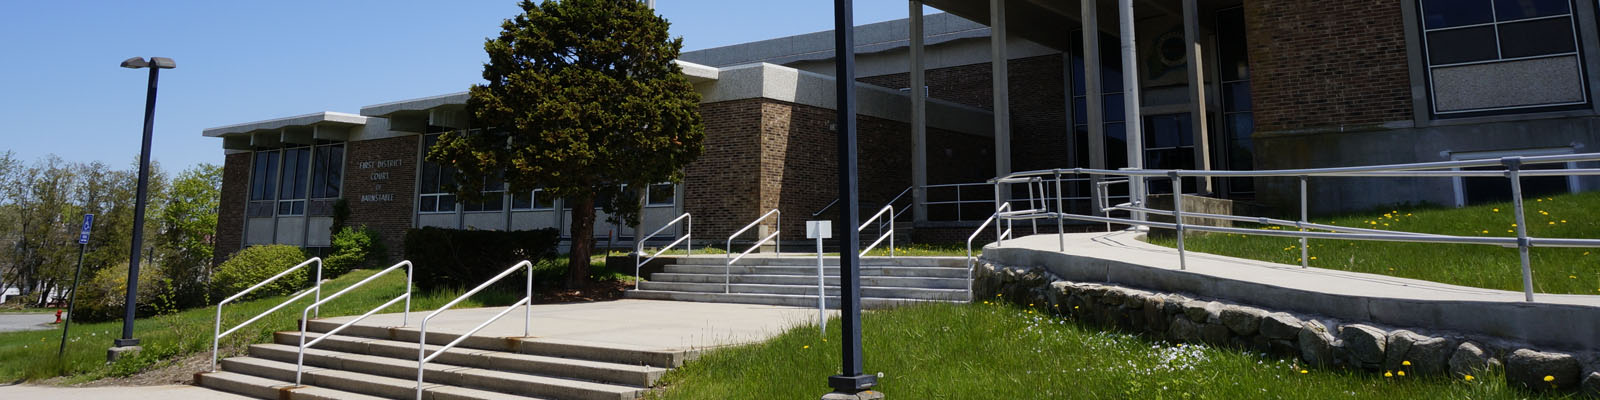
(58, 316)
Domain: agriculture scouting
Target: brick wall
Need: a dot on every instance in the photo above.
(1327, 63)
(1038, 105)
(381, 192)
(230, 213)
(720, 188)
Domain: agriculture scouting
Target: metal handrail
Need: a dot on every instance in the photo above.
(300, 360)
(638, 245)
(527, 318)
(881, 235)
(896, 199)
(1513, 172)
(727, 271)
(217, 330)
(972, 262)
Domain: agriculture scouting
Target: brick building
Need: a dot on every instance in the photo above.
(1221, 84)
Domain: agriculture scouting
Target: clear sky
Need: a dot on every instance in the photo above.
(62, 92)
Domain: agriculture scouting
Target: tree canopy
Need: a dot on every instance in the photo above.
(581, 96)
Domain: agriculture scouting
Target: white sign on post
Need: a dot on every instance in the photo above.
(820, 230)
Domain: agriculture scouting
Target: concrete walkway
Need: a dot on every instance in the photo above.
(27, 322)
(1564, 321)
(167, 392)
(649, 325)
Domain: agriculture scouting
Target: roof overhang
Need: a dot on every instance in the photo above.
(413, 106)
(307, 122)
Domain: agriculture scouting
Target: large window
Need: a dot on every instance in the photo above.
(436, 183)
(264, 176)
(292, 184)
(328, 169)
(1501, 55)
(661, 194)
(494, 191)
(533, 200)
(1238, 118)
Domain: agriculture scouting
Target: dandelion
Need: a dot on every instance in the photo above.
(1406, 363)
(1468, 377)
(1563, 221)
(1485, 231)
(1496, 210)
(1548, 378)
(1313, 257)
(1030, 304)
(1305, 371)
(806, 347)
(1552, 222)
(1541, 212)
(1572, 277)
(1402, 373)
(1513, 225)
(1388, 374)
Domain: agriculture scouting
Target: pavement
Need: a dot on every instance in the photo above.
(651, 325)
(26, 322)
(1553, 320)
(168, 392)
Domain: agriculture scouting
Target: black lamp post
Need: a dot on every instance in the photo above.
(851, 383)
(155, 64)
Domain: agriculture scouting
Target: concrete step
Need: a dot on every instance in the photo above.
(798, 280)
(366, 384)
(466, 377)
(768, 299)
(806, 258)
(811, 270)
(610, 353)
(271, 389)
(811, 290)
(596, 371)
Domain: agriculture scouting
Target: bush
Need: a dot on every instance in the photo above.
(102, 296)
(450, 258)
(353, 248)
(255, 264)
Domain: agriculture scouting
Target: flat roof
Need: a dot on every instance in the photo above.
(319, 118)
(418, 104)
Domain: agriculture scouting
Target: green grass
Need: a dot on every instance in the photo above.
(166, 338)
(992, 351)
(1555, 270)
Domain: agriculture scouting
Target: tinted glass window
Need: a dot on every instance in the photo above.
(1461, 45)
(1236, 96)
(662, 194)
(1447, 13)
(1510, 10)
(1536, 38)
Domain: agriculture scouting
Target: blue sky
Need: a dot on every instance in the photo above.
(62, 92)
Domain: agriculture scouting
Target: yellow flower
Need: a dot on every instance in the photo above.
(1305, 371)
(806, 347)
(1508, 231)
(1485, 231)
(1406, 363)
(1388, 374)
(1468, 377)
(1572, 277)
(1539, 200)
(1563, 221)
(996, 295)
(1030, 304)
(1402, 373)
(1496, 210)
(1313, 257)
(1513, 225)
(1552, 222)
(1074, 307)
(1548, 378)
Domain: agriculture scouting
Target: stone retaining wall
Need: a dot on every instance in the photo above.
(1316, 341)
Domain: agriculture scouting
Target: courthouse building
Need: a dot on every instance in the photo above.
(986, 87)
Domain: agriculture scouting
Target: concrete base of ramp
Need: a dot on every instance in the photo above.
(1569, 322)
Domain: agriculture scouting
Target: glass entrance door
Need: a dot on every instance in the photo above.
(1169, 144)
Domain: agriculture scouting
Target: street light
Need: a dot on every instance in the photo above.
(127, 343)
(851, 383)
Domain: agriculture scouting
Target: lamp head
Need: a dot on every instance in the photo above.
(163, 62)
(134, 63)
(154, 62)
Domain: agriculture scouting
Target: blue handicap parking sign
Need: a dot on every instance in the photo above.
(83, 235)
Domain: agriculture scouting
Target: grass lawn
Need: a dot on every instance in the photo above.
(993, 351)
(32, 355)
(1555, 270)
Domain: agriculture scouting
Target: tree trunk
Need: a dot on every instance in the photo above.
(582, 229)
(44, 297)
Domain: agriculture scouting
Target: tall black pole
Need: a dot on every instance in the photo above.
(72, 301)
(138, 215)
(851, 380)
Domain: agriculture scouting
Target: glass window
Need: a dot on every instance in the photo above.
(293, 183)
(264, 177)
(1462, 45)
(1510, 10)
(662, 194)
(1450, 13)
(437, 183)
(494, 189)
(328, 171)
(1536, 37)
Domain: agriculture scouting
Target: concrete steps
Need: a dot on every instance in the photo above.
(366, 362)
(792, 281)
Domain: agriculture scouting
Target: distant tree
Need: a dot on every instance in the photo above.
(188, 231)
(581, 96)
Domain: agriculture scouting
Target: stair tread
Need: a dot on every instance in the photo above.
(431, 348)
(443, 368)
(230, 379)
(380, 380)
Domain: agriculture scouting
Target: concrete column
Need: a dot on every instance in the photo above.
(1092, 90)
(1130, 99)
(1197, 92)
(919, 117)
(1002, 93)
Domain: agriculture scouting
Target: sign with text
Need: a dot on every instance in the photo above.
(83, 234)
(378, 178)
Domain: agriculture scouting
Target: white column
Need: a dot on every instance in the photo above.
(1197, 92)
(919, 122)
(1092, 90)
(1130, 100)
(1002, 103)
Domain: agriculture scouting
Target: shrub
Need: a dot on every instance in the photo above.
(451, 258)
(354, 247)
(255, 264)
(102, 296)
